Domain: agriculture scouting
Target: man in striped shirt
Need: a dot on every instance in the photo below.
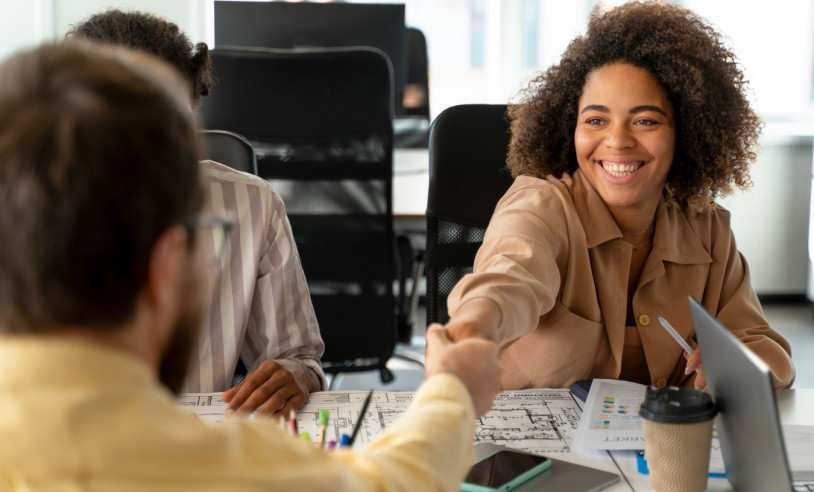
(260, 311)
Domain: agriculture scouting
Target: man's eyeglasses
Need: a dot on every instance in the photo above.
(221, 228)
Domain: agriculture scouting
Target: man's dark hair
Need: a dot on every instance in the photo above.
(98, 157)
(153, 35)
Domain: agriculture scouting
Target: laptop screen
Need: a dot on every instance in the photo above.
(748, 423)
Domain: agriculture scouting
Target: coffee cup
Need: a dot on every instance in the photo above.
(677, 437)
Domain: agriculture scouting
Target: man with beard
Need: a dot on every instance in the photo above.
(102, 275)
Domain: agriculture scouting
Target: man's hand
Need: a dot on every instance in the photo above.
(271, 384)
(474, 361)
(694, 364)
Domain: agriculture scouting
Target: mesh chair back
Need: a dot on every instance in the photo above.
(468, 175)
(229, 149)
(321, 122)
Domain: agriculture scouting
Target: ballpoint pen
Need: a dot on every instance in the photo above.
(361, 418)
(675, 335)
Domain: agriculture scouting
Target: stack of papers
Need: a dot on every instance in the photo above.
(610, 418)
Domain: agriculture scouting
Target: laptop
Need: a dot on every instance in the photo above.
(561, 477)
(748, 423)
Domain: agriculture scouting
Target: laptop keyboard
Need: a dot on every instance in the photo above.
(805, 486)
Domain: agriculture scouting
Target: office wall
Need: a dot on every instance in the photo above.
(774, 42)
(188, 14)
(771, 220)
(26, 23)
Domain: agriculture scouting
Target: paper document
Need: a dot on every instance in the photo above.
(716, 457)
(611, 420)
(542, 421)
(611, 416)
(209, 407)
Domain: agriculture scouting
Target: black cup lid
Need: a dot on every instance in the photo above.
(674, 405)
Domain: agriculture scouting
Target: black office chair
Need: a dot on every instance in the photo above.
(417, 74)
(468, 175)
(321, 122)
(412, 128)
(229, 149)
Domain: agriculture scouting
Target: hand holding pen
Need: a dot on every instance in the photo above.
(693, 356)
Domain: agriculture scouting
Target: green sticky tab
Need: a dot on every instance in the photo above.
(324, 416)
(305, 437)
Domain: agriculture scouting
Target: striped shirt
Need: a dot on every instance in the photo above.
(260, 307)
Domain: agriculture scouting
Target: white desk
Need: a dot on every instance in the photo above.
(411, 181)
(796, 407)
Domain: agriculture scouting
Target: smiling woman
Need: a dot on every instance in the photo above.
(625, 141)
(619, 152)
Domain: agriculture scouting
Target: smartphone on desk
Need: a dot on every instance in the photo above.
(504, 471)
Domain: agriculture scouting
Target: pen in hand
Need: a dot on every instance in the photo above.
(675, 335)
(692, 364)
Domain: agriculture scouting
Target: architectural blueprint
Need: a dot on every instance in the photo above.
(542, 421)
(538, 421)
(207, 406)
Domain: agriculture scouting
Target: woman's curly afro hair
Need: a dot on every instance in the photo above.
(716, 130)
(156, 36)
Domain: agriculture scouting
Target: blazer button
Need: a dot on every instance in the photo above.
(644, 319)
(661, 383)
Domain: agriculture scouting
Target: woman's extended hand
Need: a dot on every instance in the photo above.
(457, 331)
(477, 318)
(474, 361)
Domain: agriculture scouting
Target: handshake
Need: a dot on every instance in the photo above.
(473, 360)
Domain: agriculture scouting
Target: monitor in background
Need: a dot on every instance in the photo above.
(291, 25)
